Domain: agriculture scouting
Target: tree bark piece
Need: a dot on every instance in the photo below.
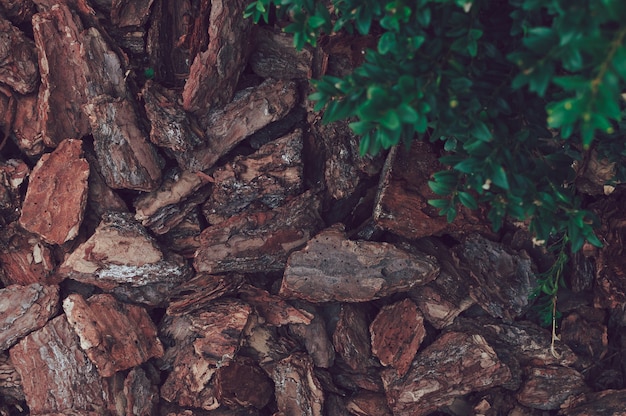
(264, 179)
(351, 337)
(215, 72)
(19, 68)
(140, 394)
(197, 294)
(171, 127)
(586, 333)
(247, 243)
(62, 94)
(274, 56)
(13, 173)
(125, 13)
(114, 336)
(314, 336)
(608, 402)
(28, 126)
(57, 194)
(402, 203)
(167, 206)
(52, 366)
(24, 309)
(25, 257)
(446, 297)
(121, 252)
(454, 365)
(297, 389)
(273, 309)
(10, 382)
(183, 238)
(127, 159)
(204, 342)
(397, 333)
(333, 268)
(251, 110)
(367, 403)
(504, 281)
(242, 382)
(547, 388)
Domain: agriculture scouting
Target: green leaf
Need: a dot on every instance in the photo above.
(470, 165)
(407, 113)
(364, 144)
(439, 188)
(481, 131)
(387, 42)
(360, 127)
(363, 20)
(439, 203)
(468, 200)
(498, 177)
(593, 239)
(316, 22)
(423, 17)
(619, 62)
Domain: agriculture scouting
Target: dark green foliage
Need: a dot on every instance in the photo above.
(516, 91)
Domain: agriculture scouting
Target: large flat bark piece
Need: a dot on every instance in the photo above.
(24, 309)
(204, 342)
(115, 336)
(251, 110)
(454, 365)
(57, 194)
(25, 258)
(248, 243)
(121, 252)
(215, 72)
(56, 374)
(264, 179)
(57, 33)
(333, 268)
(127, 159)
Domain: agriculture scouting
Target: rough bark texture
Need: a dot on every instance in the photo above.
(215, 72)
(455, 364)
(333, 268)
(24, 309)
(260, 240)
(115, 336)
(18, 68)
(51, 366)
(57, 194)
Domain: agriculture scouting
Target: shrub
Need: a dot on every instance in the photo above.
(518, 92)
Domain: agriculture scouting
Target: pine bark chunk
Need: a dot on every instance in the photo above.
(52, 366)
(127, 159)
(28, 126)
(24, 309)
(367, 403)
(547, 388)
(57, 194)
(198, 293)
(490, 265)
(25, 258)
(204, 342)
(265, 179)
(121, 252)
(13, 174)
(10, 382)
(167, 206)
(274, 56)
(275, 310)
(242, 382)
(402, 204)
(351, 337)
(333, 268)
(454, 365)
(62, 94)
(251, 110)
(215, 72)
(114, 336)
(247, 243)
(397, 333)
(608, 402)
(171, 128)
(298, 391)
(18, 68)
(314, 336)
